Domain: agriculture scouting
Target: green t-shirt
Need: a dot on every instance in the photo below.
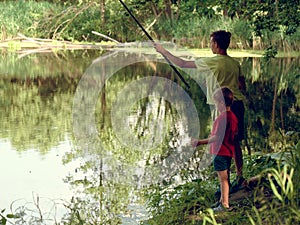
(219, 71)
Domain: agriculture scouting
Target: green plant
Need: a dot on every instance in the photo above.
(283, 179)
(211, 218)
(23, 17)
(3, 218)
(277, 199)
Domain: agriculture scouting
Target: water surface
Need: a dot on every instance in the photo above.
(43, 157)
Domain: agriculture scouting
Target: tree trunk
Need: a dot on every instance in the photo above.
(272, 126)
(154, 9)
(168, 9)
(102, 11)
(178, 12)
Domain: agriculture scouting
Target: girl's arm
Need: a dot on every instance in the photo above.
(208, 140)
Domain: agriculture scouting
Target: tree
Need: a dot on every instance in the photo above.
(102, 11)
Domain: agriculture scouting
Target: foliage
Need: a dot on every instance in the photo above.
(282, 207)
(73, 23)
(172, 205)
(175, 204)
(211, 218)
(23, 17)
(253, 24)
(267, 15)
(269, 53)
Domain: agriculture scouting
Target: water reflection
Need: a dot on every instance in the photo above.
(145, 115)
(46, 156)
(33, 181)
(35, 133)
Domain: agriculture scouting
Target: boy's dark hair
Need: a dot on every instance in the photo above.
(224, 93)
(222, 38)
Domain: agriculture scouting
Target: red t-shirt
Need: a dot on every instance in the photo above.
(226, 127)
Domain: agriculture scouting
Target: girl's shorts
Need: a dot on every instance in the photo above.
(222, 163)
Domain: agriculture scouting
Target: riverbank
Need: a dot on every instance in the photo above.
(28, 45)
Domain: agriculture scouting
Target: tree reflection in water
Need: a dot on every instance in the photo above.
(37, 112)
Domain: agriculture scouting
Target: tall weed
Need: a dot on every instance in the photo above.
(23, 17)
(277, 201)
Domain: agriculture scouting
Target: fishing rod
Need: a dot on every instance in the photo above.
(151, 39)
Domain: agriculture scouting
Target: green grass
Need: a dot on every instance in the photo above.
(276, 201)
(23, 17)
(76, 23)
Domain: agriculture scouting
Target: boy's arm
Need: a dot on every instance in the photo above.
(174, 59)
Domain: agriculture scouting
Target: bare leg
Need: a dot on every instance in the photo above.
(223, 178)
(238, 109)
(238, 159)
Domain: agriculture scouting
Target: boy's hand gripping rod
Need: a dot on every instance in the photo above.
(151, 39)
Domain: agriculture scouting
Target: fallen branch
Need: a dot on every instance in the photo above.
(103, 35)
(11, 39)
(31, 39)
(28, 45)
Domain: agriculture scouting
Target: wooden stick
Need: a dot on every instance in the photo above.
(103, 35)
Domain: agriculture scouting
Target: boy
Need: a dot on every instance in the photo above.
(226, 72)
(221, 141)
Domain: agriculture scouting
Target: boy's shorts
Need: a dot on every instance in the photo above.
(238, 109)
(222, 162)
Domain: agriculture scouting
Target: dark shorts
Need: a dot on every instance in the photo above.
(222, 163)
(238, 109)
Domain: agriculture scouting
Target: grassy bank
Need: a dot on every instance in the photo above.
(274, 201)
(76, 23)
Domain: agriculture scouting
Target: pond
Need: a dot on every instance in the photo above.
(84, 133)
